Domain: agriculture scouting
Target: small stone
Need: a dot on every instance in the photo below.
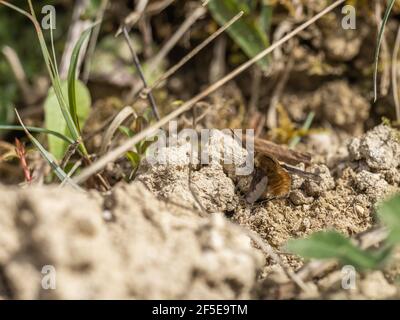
(107, 215)
(298, 198)
(375, 286)
(360, 210)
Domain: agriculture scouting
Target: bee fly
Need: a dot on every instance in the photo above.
(271, 179)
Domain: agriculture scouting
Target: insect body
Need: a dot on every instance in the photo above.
(272, 180)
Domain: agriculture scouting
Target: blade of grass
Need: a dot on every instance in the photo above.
(49, 158)
(378, 46)
(52, 47)
(38, 130)
(306, 126)
(72, 74)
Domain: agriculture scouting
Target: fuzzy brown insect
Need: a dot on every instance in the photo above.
(272, 179)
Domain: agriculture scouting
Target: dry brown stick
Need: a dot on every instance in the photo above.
(134, 16)
(72, 148)
(139, 69)
(129, 144)
(282, 153)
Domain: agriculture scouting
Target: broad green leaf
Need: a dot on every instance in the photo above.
(389, 212)
(54, 118)
(333, 245)
(246, 32)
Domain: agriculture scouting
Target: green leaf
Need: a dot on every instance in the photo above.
(389, 212)
(246, 32)
(333, 245)
(134, 158)
(54, 118)
(72, 98)
(37, 130)
(378, 46)
(126, 131)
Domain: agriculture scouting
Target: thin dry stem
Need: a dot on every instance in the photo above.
(136, 61)
(119, 119)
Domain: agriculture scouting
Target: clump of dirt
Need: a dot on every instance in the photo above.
(168, 178)
(127, 245)
(378, 148)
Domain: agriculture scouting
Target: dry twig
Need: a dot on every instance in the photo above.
(141, 73)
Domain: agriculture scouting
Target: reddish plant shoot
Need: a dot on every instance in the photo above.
(21, 153)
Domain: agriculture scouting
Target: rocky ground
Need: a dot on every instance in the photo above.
(148, 239)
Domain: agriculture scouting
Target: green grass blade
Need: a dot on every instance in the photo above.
(38, 130)
(72, 75)
(378, 46)
(306, 126)
(53, 51)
